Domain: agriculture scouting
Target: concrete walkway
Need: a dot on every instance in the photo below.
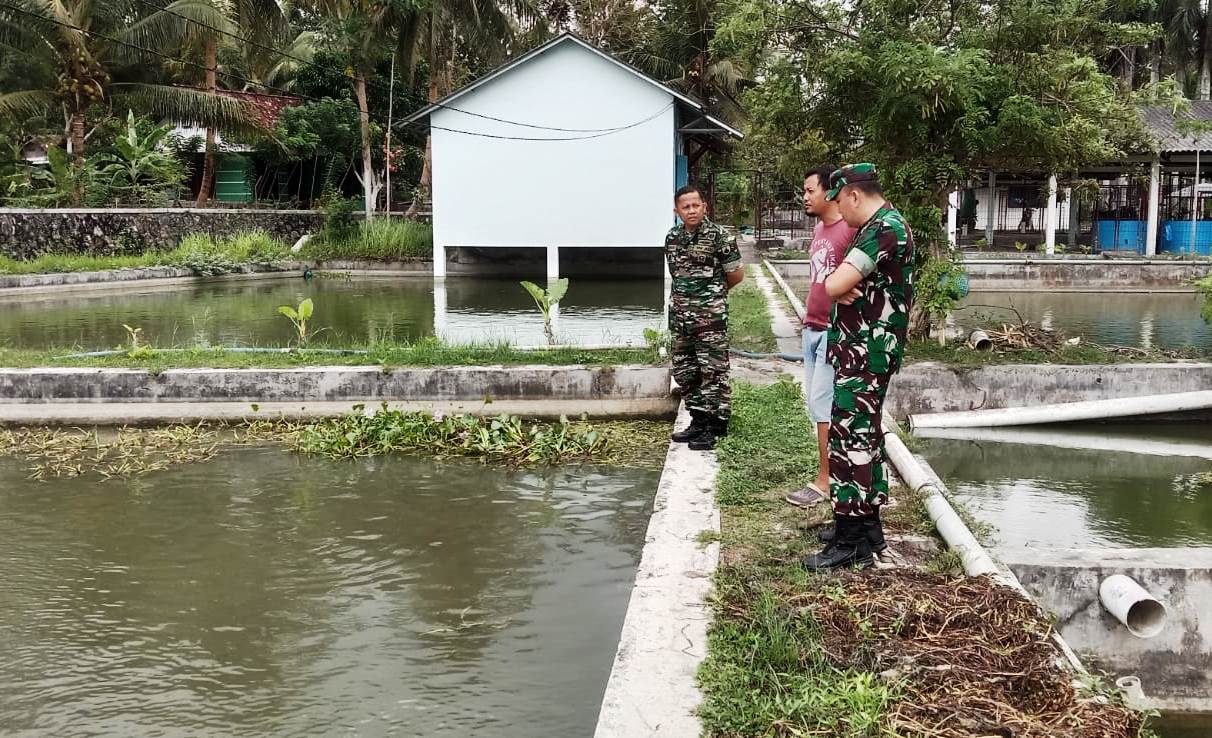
(652, 689)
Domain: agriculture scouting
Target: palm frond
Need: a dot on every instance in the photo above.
(25, 103)
(167, 31)
(185, 105)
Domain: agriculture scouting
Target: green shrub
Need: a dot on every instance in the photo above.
(382, 239)
(207, 257)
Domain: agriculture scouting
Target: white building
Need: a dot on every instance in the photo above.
(563, 147)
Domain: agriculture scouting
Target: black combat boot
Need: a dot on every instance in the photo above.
(849, 547)
(872, 526)
(698, 421)
(714, 430)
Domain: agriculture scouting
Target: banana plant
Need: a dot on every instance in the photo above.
(298, 318)
(547, 300)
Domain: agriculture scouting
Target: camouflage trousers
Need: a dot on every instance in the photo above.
(700, 363)
(858, 484)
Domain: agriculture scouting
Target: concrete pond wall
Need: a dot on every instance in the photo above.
(26, 234)
(1063, 274)
(1175, 666)
(929, 387)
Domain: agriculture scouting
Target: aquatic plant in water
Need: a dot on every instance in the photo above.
(502, 438)
(547, 300)
(298, 318)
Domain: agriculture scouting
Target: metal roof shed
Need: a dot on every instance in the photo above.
(563, 147)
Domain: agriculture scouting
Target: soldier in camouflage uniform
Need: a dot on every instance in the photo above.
(704, 264)
(873, 289)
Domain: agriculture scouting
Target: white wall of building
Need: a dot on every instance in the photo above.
(613, 190)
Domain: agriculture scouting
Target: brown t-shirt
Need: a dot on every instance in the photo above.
(829, 244)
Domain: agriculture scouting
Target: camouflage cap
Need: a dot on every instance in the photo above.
(850, 174)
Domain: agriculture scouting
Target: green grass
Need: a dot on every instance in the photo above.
(197, 252)
(749, 318)
(766, 672)
(420, 354)
(382, 239)
(62, 263)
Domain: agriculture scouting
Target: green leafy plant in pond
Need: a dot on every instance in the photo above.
(1020, 246)
(547, 300)
(135, 348)
(980, 244)
(659, 341)
(298, 318)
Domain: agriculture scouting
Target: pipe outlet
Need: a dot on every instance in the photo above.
(980, 341)
(1132, 605)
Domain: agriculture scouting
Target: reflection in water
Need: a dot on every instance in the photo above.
(265, 593)
(347, 312)
(1053, 496)
(1144, 320)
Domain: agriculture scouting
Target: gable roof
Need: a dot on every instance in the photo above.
(689, 104)
(1166, 127)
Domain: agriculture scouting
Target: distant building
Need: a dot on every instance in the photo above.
(563, 147)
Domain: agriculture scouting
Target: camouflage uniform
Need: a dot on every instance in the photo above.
(698, 314)
(866, 346)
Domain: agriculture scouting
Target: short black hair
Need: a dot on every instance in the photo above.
(868, 187)
(823, 173)
(686, 190)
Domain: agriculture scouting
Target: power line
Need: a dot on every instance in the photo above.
(569, 138)
(111, 39)
(372, 83)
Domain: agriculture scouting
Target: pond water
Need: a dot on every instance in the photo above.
(264, 593)
(1083, 486)
(347, 312)
(1140, 320)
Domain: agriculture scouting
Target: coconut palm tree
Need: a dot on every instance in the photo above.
(436, 31)
(106, 55)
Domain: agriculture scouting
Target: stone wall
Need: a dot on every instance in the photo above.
(25, 234)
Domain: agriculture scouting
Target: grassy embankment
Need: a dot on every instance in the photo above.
(914, 651)
(380, 240)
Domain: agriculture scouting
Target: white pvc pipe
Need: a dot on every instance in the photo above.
(1067, 412)
(980, 340)
(1132, 605)
(1072, 439)
(949, 524)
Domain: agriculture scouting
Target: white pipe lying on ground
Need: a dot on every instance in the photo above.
(1067, 412)
(1132, 605)
(1071, 439)
(950, 526)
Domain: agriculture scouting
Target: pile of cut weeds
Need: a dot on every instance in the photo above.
(978, 658)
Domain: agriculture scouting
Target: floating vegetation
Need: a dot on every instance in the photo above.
(57, 453)
(504, 438)
(54, 453)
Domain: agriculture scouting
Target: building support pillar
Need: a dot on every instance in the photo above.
(991, 209)
(1074, 215)
(1153, 226)
(953, 200)
(439, 261)
(1050, 217)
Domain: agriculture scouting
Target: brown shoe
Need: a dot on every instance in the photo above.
(807, 497)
